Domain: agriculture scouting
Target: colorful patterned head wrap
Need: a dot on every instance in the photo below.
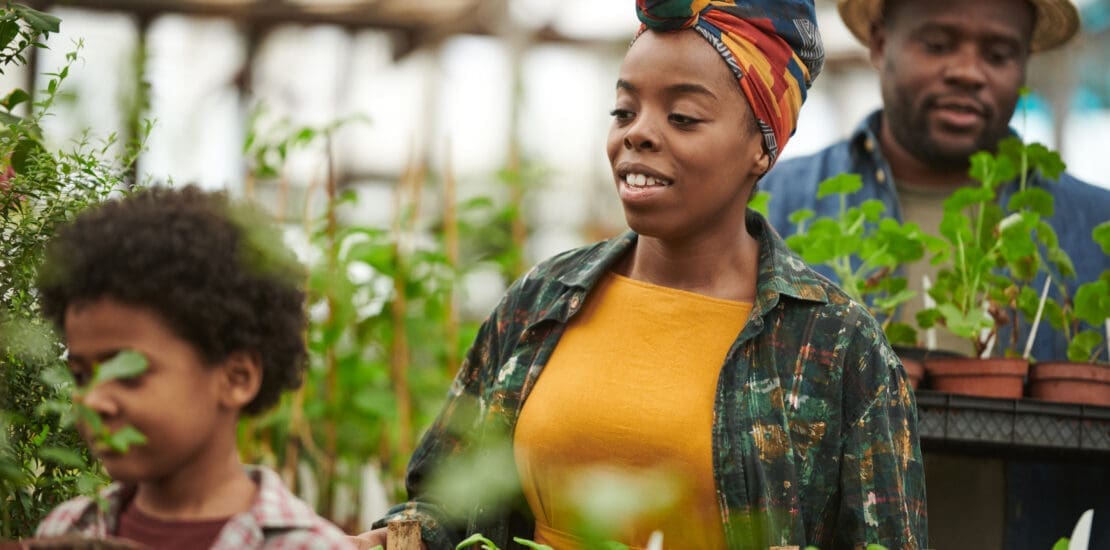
(772, 46)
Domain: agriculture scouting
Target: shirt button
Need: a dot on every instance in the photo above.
(880, 176)
(574, 302)
(868, 145)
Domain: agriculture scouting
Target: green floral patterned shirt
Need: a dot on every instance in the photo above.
(815, 426)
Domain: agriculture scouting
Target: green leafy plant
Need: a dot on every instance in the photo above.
(42, 461)
(385, 335)
(864, 250)
(68, 405)
(22, 27)
(990, 258)
(486, 544)
(1082, 318)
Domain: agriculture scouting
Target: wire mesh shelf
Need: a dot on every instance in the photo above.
(1017, 423)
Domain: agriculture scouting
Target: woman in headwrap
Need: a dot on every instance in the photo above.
(695, 353)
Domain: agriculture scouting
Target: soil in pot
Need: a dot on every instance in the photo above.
(1065, 382)
(994, 377)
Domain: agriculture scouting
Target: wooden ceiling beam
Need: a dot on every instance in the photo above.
(380, 14)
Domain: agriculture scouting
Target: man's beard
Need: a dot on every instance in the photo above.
(912, 129)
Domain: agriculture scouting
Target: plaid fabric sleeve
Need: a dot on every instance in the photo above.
(882, 472)
(66, 519)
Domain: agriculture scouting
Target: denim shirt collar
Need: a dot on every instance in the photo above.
(864, 144)
(865, 138)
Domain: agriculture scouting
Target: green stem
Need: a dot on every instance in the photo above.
(1024, 166)
(856, 225)
(962, 266)
(842, 266)
(979, 225)
(866, 265)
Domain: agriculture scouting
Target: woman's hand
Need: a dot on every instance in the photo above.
(371, 539)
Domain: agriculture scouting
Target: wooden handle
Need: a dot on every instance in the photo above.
(404, 534)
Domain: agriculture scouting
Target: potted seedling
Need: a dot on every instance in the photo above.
(1083, 319)
(864, 249)
(993, 255)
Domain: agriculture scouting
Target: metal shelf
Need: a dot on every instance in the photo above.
(1018, 425)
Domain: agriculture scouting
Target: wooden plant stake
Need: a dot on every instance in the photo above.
(404, 534)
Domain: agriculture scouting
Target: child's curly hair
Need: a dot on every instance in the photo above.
(218, 275)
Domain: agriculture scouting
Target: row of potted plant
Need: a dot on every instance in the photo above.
(990, 261)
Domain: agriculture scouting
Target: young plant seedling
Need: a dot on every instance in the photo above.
(864, 249)
(1090, 305)
(990, 259)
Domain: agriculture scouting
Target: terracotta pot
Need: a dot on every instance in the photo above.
(1066, 382)
(914, 358)
(995, 377)
(915, 371)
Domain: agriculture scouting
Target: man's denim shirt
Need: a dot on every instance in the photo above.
(1079, 207)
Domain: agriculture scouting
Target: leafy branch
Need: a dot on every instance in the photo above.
(22, 27)
(124, 365)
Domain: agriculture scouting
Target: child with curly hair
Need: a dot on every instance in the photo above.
(212, 300)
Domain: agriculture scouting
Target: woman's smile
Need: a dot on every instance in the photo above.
(637, 184)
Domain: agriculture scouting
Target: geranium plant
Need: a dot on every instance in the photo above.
(1082, 318)
(864, 249)
(990, 258)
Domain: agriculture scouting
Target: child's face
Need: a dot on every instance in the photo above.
(175, 403)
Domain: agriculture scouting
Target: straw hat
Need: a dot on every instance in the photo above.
(1057, 20)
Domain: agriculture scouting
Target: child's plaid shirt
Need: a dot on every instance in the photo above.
(277, 520)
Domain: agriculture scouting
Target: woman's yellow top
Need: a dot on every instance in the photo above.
(620, 420)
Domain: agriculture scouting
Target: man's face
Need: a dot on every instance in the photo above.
(950, 73)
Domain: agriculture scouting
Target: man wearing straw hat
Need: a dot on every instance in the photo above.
(950, 73)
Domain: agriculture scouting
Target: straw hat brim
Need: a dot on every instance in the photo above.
(1057, 21)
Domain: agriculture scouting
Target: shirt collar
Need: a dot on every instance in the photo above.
(103, 510)
(275, 507)
(781, 273)
(597, 261)
(865, 138)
